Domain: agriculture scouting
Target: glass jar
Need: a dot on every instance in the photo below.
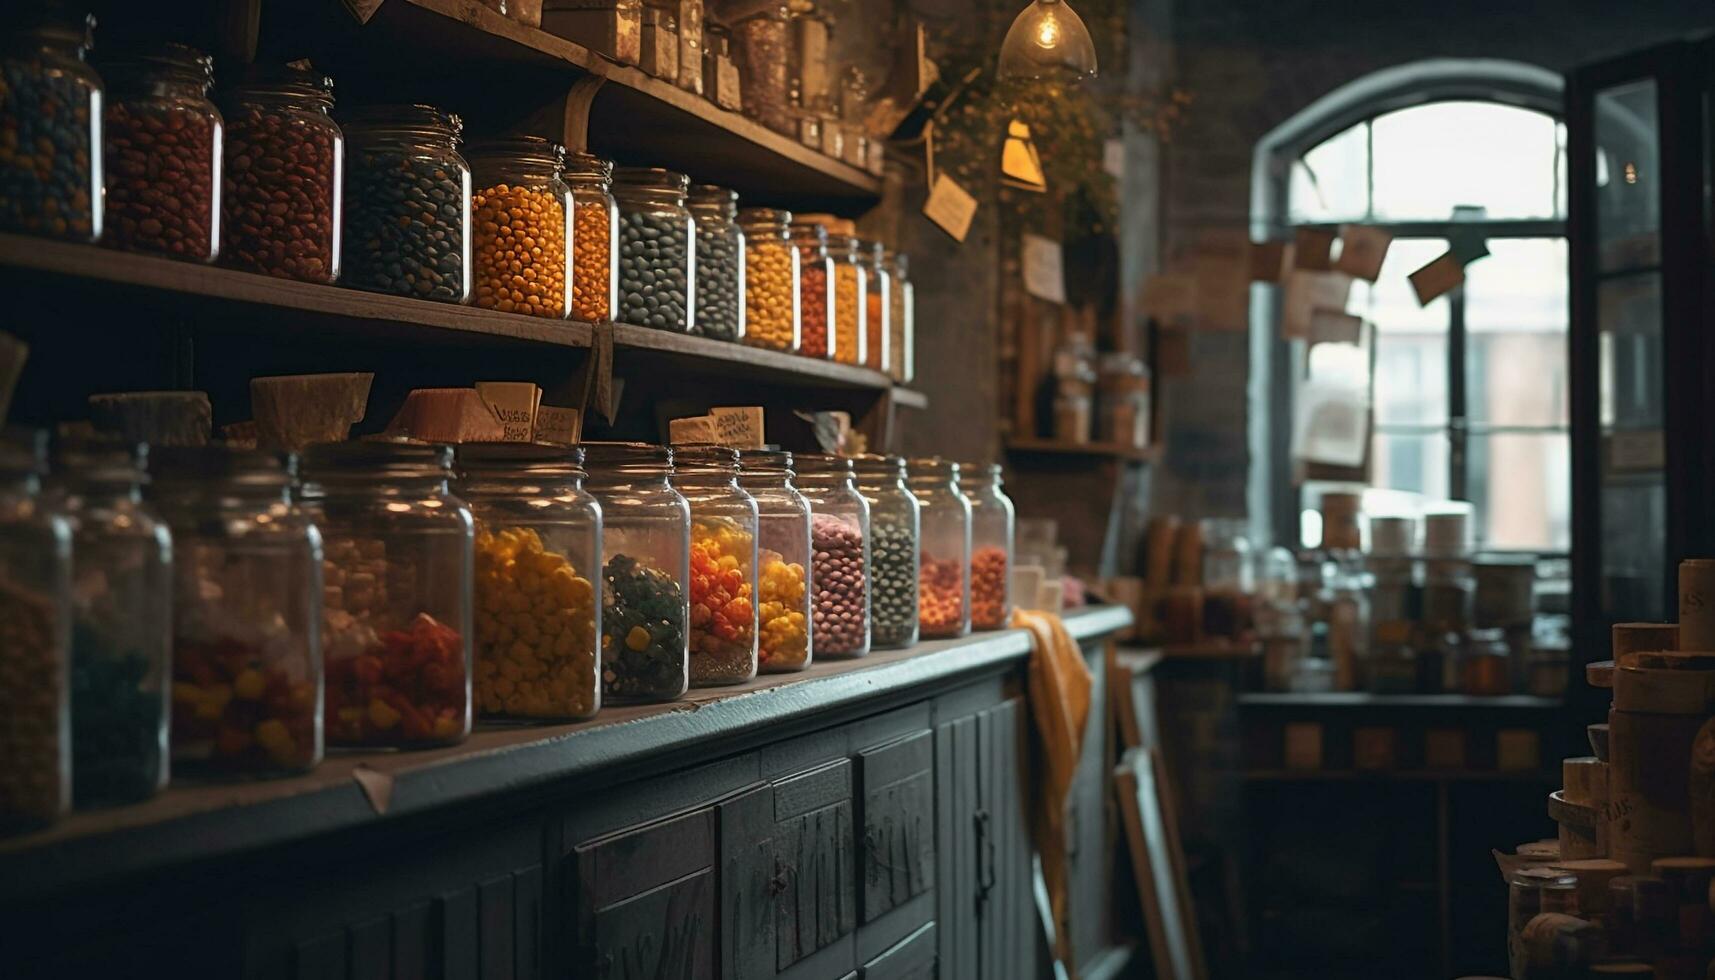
(784, 607)
(1229, 577)
(50, 125)
(1449, 592)
(247, 594)
(538, 537)
(815, 291)
(396, 593)
(1346, 602)
(280, 187)
(724, 527)
(944, 583)
(770, 280)
(1485, 664)
(896, 263)
(760, 46)
(878, 305)
(992, 520)
(122, 633)
(35, 633)
(646, 544)
(905, 322)
(407, 203)
(851, 306)
(520, 224)
(720, 263)
(893, 551)
(657, 257)
(595, 238)
(839, 541)
(163, 148)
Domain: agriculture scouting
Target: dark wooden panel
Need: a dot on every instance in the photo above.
(955, 849)
(912, 959)
(898, 843)
(494, 900)
(814, 835)
(1009, 917)
(1088, 819)
(459, 935)
(372, 949)
(322, 958)
(645, 901)
(411, 942)
(749, 884)
(991, 962)
(527, 923)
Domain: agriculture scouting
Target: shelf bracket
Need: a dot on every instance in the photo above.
(566, 120)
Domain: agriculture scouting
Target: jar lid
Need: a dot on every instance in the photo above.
(401, 116)
(712, 194)
(637, 457)
(581, 164)
(536, 457)
(933, 468)
(764, 216)
(99, 457)
(377, 460)
(765, 462)
(529, 147)
(652, 177)
(810, 232)
(298, 78)
(705, 459)
(222, 462)
(822, 464)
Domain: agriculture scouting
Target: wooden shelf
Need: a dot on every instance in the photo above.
(401, 52)
(1361, 700)
(1403, 775)
(1128, 454)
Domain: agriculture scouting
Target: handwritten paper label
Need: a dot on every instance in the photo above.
(1044, 274)
(951, 207)
(564, 426)
(1437, 279)
(513, 405)
(1312, 249)
(1362, 251)
(738, 428)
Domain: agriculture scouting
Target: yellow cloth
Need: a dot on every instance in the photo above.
(1059, 690)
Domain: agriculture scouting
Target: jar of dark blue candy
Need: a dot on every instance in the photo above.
(657, 251)
(407, 203)
(50, 123)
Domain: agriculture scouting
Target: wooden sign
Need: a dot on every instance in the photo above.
(1363, 248)
(1158, 865)
(1437, 279)
(950, 207)
(1312, 249)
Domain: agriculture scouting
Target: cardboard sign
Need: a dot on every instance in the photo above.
(1269, 261)
(1334, 327)
(1313, 249)
(696, 431)
(513, 404)
(738, 428)
(950, 207)
(1044, 272)
(1362, 251)
(564, 426)
(1437, 279)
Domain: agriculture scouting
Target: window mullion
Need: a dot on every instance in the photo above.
(1457, 416)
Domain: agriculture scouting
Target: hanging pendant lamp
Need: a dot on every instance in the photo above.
(1046, 38)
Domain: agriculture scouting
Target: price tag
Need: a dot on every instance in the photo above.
(738, 428)
(1044, 274)
(696, 431)
(559, 425)
(513, 404)
(951, 207)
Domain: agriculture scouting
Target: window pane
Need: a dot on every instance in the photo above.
(1629, 348)
(1430, 158)
(1628, 201)
(1331, 182)
(1412, 462)
(1515, 310)
(1411, 341)
(1520, 483)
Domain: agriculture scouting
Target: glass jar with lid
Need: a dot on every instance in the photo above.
(783, 560)
(520, 227)
(538, 543)
(944, 582)
(839, 541)
(898, 314)
(163, 148)
(122, 639)
(723, 565)
(878, 306)
(35, 633)
(770, 280)
(397, 574)
(720, 263)
(992, 520)
(247, 612)
(657, 256)
(595, 238)
(407, 203)
(50, 122)
(893, 551)
(762, 50)
(851, 305)
(1229, 577)
(280, 193)
(815, 290)
(646, 545)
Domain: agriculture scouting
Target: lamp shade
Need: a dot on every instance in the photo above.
(1046, 38)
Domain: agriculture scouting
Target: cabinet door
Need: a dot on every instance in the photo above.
(817, 902)
(1008, 923)
(897, 850)
(750, 884)
(913, 958)
(645, 901)
(957, 850)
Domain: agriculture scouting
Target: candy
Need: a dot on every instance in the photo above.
(941, 596)
(768, 289)
(160, 164)
(723, 615)
(519, 250)
(988, 588)
(653, 268)
(813, 302)
(406, 220)
(47, 150)
(592, 262)
(893, 603)
(535, 629)
(874, 322)
(841, 620)
(269, 727)
(784, 641)
(848, 309)
(32, 749)
(278, 194)
(116, 711)
(643, 643)
(718, 275)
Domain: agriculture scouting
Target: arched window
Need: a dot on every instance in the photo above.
(1469, 392)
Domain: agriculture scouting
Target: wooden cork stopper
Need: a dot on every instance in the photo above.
(1634, 638)
(1697, 604)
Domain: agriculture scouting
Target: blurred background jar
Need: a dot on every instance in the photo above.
(1229, 577)
(944, 581)
(770, 280)
(839, 542)
(894, 551)
(898, 314)
(407, 203)
(163, 147)
(720, 263)
(646, 545)
(50, 185)
(247, 612)
(723, 582)
(815, 290)
(537, 549)
(783, 598)
(760, 47)
(1122, 385)
(992, 523)
(397, 575)
(595, 238)
(122, 635)
(878, 304)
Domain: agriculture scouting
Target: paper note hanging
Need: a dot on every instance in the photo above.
(1437, 279)
(1312, 249)
(950, 207)
(1363, 248)
(1044, 274)
(1307, 292)
(1331, 424)
(1334, 327)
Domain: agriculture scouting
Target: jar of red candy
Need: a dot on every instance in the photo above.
(397, 575)
(724, 527)
(992, 520)
(247, 589)
(784, 604)
(944, 584)
(815, 290)
(163, 153)
(280, 192)
(839, 547)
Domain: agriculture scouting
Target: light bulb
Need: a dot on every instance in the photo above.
(1047, 37)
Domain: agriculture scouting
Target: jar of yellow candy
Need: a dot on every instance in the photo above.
(783, 557)
(538, 542)
(723, 565)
